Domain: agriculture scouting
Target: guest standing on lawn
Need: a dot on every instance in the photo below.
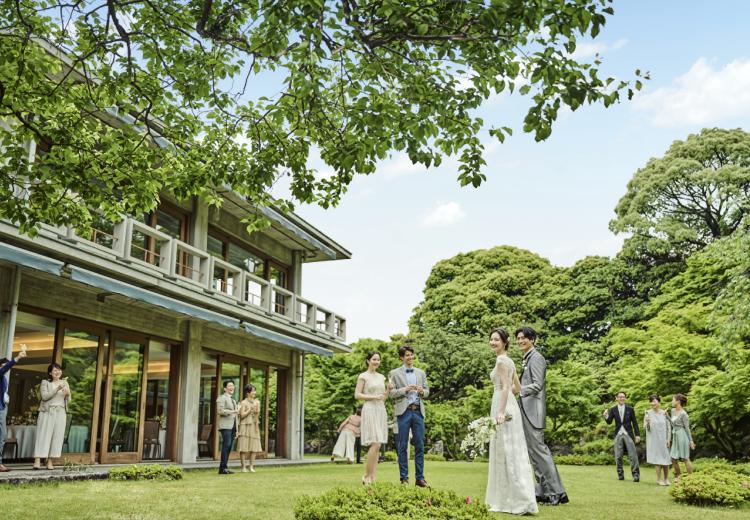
(348, 432)
(658, 434)
(409, 390)
(50, 423)
(682, 440)
(371, 389)
(5, 366)
(626, 431)
(226, 407)
(248, 433)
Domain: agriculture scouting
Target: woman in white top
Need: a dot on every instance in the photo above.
(50, 423)
(658, 434)
(371, 389)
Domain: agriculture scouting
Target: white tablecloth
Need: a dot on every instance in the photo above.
(25, 435)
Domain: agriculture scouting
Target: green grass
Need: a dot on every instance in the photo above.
(270, 493)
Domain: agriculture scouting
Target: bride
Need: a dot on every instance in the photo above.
(510, 484)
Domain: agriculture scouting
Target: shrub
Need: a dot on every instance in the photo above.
(710, 464)
(712, 487)
(392, 456)
(146, 472)
(387, 501)
(585, 460)
(597, 447)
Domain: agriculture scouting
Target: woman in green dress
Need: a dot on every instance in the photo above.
(682, 441)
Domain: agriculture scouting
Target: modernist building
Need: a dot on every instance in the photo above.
(148, 316)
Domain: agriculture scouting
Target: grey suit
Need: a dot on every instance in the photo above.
(397, 378)
(534, 411)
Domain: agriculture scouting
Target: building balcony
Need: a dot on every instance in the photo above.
(141, 254)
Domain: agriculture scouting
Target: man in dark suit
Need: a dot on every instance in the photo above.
(626, 431)
(5, 366)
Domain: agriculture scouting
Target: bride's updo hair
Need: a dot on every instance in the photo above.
(502, 333)
(369, 356)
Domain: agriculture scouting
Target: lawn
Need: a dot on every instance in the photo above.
(595, 493)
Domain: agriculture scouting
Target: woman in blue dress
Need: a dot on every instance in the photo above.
(682, 441)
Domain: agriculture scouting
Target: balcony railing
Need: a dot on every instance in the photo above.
(138, 243)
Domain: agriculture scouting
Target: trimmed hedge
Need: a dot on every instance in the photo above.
(585, 460)
(711, 487)
(392, 456)
(146, 472)
(388, 501)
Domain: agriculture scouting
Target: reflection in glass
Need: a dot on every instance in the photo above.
(127, 373)
(272, 413)
(257, 378)
(157, 401)
(38, 334)
(80, 349)
(206, 405)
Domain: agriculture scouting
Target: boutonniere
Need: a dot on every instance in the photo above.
(523, 364)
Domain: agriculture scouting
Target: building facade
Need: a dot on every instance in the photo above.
(149, 315)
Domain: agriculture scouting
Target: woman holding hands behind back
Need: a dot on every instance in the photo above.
(50, 424)
(371, 389)
(682, 440)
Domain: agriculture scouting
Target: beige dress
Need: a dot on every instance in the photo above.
(50, 423)
(248, 433)
(374, 417)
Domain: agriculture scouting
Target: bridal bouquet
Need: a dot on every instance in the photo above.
(480, 432)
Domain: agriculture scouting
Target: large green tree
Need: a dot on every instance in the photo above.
(698, 192)
(191, 96)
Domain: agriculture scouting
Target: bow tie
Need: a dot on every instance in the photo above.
(409, 370)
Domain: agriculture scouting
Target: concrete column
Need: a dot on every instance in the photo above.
(190, 377)
(199, 224)
(10, 284)
(295, 426)
(297, 260)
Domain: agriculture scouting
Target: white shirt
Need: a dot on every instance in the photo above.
(621, 410)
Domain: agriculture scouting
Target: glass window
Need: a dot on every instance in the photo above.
(102, 231)
(257, 378)
(37, 333)
(241, 257)
(79, 363)
(206, 405)
(157, 401)
(127, 374)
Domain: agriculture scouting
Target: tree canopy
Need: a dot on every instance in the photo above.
(126, 99)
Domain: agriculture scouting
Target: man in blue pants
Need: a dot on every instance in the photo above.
(409, 388)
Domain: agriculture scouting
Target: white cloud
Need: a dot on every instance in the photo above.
(400, 166)
(443, 214)
(587, 50)
(701, 96)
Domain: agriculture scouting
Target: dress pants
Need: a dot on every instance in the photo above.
(410, 419)
(624, 442)
(3, 430)
(227, 439)
(50, 433)
(549, 487)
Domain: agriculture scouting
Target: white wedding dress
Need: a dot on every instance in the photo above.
(510, 483)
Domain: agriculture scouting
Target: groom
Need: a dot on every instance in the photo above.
(549, 488)
(408, 389)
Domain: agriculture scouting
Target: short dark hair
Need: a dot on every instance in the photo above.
(402, 350)
(681, 398)
(50, 368)
(369, 356)
(654, 397)
(249, 388)
(227, 381)
(621, 392)
(3, 361)
(528, 333)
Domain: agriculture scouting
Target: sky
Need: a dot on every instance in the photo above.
(554, 198)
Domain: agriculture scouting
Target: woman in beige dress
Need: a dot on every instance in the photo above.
(248, 433)
(348, 432)
(50, 423)
(372, 390)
